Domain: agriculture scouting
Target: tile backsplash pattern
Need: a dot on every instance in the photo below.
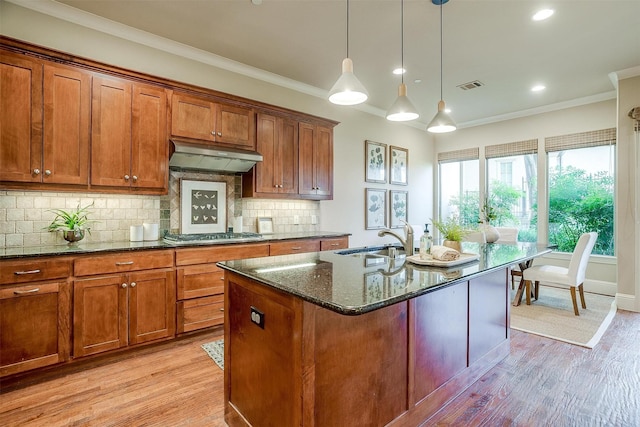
(24, 215)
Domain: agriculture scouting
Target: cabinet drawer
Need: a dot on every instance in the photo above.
(200, 281)
(294, 247)
(33, 270)
(333, 244)
(122, 262)
(200, 313)
(189, 256)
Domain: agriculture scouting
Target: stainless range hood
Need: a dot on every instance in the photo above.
(195, 156)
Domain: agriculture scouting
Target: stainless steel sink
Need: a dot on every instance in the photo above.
(373, 251)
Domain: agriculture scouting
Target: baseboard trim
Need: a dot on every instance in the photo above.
(626, 302)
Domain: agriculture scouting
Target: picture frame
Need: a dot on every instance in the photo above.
(375, 159)
(398, 208)
(203, 207)
(375, 208)
(398, 165)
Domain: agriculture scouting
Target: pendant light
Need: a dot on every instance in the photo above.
(402, 109)
(442, 122)
(348, 90)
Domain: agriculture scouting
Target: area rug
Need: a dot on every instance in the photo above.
(552, 316)
(215, 350)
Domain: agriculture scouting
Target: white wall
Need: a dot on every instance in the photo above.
(346, 212)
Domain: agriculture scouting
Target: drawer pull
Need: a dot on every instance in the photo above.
(133, 284)
(296, 248)
(124, 263)
(30, 291)
(335, 244)
(21, 273)
(222, 309)
(124, 286)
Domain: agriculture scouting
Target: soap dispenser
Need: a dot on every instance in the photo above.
(425, 243)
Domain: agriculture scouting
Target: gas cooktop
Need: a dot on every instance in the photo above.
(211, 238)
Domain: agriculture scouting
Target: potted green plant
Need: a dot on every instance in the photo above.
(72, 224)
(452, 231)
(488, 213)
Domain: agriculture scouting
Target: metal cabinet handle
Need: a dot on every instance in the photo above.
(335, 244)
(133, 284)
(219, 133)
(296, 248)
(124, 263)
(213, 132)
(36, 171)
(126, 177)
(21, 273)
(222, 309)
(124, 285)
(135, 178)
(30, 291)
(47, 172)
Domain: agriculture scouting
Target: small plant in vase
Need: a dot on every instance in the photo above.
(72, 224)
(488, 213)
(452, 232)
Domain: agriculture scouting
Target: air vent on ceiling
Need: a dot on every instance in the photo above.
(471, 85)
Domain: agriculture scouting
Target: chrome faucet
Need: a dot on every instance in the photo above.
(407, 242)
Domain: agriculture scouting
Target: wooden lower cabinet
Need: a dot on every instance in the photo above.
(34, 326)
(115, 311)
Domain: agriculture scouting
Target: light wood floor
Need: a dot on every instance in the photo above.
(542, 383)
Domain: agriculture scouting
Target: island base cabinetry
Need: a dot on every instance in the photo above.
(397, 365)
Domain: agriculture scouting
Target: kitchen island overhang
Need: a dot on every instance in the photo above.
(327, 339)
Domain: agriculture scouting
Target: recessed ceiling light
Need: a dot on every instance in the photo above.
(399, 71)
(538, 88)
(543, 14)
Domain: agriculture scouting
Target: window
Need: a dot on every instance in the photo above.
(459, 185)
(512, 186)
(581, 170)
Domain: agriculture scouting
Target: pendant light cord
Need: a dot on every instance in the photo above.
(441, 50)
(347, 28)
(402, 40)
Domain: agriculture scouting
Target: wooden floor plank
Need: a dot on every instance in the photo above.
(542, 382)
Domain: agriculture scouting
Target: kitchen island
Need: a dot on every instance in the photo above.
(355, 338)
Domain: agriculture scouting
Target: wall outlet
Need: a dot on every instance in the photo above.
(257, 317)
(296, 219)
(314, 219)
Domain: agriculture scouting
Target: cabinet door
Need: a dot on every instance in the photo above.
(287, 150)
(34, 326)
(236, 126)
(266, 172)
(99, 314)
(323, 161)
(316, 161)
(67, 94)
(152, 305)
(20, 118)
(192, 117)
(149, 147)
(111, 132)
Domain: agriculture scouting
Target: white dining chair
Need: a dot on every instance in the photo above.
(572, 277)
(509, 235)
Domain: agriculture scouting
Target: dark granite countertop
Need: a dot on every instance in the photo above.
(358, 283)
(88, 247)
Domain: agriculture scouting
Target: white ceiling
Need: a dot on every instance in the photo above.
(493, 41)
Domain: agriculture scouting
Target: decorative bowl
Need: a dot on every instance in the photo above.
(73, 236)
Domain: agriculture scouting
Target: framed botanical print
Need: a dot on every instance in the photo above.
(203, 206)
(375, 208)
(398, 165)
(375, 162)
(398, 208)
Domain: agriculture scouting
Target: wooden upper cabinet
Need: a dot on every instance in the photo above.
(67, 103)
(129, 147)
(111, 132)
(200, 118)
(277, 141)
(150, 145)
(20, 118)
(316, 161)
